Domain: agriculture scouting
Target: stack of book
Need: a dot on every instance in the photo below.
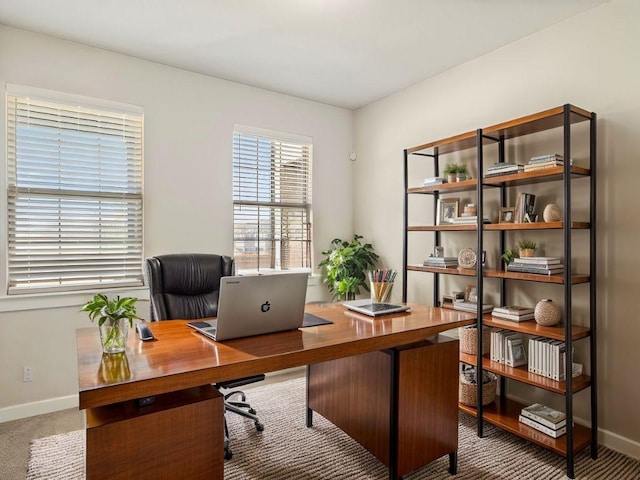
(548, 358)
(514, 313)
(441, 262)
(544, 419)
(536, 265)
(504, 168)
(507, 347)
(545, 161)
(431, 181)
(471, 307)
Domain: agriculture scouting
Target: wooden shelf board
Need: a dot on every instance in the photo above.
(456, 143)
(559, 279)
(535, 176)
(463, 186)
(535, 226)
(522, 375)
(530, 327)
(450, 271)
(504, 412)
(537, 122)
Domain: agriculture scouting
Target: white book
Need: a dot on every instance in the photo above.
(541, 428)
(544, 415)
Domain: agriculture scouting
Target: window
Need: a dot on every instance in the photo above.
(271, 200)
(74, 195)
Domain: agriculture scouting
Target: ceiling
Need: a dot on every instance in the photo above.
(346, 53)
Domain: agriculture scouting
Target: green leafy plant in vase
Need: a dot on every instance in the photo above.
(346, 264)
(527, 248)
(112, 316)
(508, 255)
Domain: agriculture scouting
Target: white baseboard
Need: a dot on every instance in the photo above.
(16, 412)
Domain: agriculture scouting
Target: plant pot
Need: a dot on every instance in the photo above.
(451, 178)
(527, 252)
(460, 177)
(113, 335)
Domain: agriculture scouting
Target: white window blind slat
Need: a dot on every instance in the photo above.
(74, 196)
(272, 201)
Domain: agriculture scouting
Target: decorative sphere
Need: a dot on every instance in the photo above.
(552, 213)
(547, 313)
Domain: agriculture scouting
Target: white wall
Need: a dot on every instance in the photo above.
(189, 121)
(591, 61)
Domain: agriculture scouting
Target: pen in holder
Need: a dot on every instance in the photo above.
(381, 283)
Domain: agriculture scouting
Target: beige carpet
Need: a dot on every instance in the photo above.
(289, 450)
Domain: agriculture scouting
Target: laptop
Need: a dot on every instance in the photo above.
(254, 305)
(374, 309)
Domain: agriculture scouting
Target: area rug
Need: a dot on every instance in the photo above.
(288, 450)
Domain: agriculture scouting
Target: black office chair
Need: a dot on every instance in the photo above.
(186, 286)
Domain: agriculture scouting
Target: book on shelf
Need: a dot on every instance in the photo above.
(441, 262)
(513, 310)
(541, 428)
(546, 157)
(544, 415)
(471, 307)
(535, 269)
(430, 181)
(538, 260)
(514, 318)
(468, 220)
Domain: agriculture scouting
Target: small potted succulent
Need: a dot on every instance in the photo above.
(461, 174)
(113, 316)
(527, 248)
(508, 255)
(455, 172)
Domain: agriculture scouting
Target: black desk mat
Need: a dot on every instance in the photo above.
(313, 321)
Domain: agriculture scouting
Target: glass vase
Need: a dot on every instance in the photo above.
(113, 335)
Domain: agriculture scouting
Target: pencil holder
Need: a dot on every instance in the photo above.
(380, 291)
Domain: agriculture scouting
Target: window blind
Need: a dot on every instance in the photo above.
(272, 203)
(74, 197)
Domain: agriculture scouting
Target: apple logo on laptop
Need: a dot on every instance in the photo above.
(265, 306)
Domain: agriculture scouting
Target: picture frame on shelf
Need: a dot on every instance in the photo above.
(447, 210)
(507, 215)
(471, 294)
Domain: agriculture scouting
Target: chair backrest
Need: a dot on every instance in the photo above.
(186, 285)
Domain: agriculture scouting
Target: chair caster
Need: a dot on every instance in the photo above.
(259, 427)
(228, 454)
(252, 411)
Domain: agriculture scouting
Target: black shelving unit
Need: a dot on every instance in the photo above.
(504, 412)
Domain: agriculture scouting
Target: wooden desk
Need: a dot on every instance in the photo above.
(181, 359)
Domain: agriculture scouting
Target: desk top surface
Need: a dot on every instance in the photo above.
(181, 358)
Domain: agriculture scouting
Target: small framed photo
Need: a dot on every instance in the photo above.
(471, 294)
(507, 215)
(447, 210)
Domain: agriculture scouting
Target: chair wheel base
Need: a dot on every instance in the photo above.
(252, 411)
(259, 427)
(228, 454)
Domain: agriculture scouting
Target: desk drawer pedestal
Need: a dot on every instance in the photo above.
(179, 436)
(401, 404)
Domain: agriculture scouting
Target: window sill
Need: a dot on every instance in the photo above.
(38, 301)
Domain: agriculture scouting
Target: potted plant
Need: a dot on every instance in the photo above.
(508, 255)
(461, 173)
(346, 264)
(527, 248)
(451, 170)
(113, 316)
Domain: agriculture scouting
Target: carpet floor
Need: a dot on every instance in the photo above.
(288, 450)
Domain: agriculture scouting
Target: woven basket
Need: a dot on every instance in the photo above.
(467, 392)
(469, 340)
